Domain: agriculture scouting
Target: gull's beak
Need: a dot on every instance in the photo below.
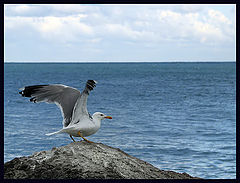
(108, 117)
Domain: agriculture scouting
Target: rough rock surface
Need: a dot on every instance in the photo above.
(83, 160)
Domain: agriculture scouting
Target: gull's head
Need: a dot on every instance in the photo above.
(101, 116)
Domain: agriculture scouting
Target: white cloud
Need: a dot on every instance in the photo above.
(207, 33)
(218, 17)
(70, 26)
(145, 25)
(142, 23)
(189, 8)
(21, 9)
(61, 29)
(118, 30)
(147, 22)
(68, 8)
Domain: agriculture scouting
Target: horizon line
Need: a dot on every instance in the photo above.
(191, 61)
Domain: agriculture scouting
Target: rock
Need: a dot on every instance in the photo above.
(83, 160)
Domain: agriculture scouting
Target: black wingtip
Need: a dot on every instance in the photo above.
(33, 100)
(27, 91)
(22, 93)
(91, 84)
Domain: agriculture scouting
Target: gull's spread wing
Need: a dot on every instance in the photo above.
(80, 111)
(64, 97)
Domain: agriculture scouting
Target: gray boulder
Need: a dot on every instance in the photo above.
(83, 160)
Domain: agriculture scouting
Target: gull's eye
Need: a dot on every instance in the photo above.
(102, 115)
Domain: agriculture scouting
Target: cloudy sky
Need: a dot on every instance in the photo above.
(119, 33)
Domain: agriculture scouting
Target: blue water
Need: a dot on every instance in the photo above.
(176, 116)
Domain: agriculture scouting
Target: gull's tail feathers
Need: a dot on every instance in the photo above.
(57, 132)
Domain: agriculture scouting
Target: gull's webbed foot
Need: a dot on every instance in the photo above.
(88, 141)
(84, 138)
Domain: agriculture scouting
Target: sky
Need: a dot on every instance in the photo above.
(119, 33)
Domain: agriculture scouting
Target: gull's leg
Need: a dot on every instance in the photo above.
(72, 138)
(84, 138)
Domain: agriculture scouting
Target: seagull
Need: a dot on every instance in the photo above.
(77, 121)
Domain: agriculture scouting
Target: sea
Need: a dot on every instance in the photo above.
(176, 116)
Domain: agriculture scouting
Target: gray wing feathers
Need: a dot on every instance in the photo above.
(72, 103)
(63, 96)
(80, 109)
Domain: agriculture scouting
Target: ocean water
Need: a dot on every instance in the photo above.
(176, 116)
